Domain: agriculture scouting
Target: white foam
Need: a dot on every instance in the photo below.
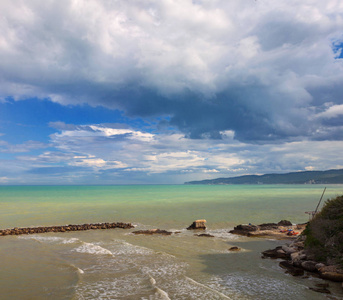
(207, 288)
(51, 239)
(159, 291)
(224, 234)
(71, 241)
(152, 280)
(125, 248)
(127, 287)
(258, 286)
(162, 293)
(42, 238)
(92, 249)
(78, 270)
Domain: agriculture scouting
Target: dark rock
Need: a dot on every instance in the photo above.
(275, 253)
(152, 231)
(333, 276)
(198, 224)
(322, 285)
(235, 249)
(205, 235)
(284, 223)
(294, 271)
(320, 290)
(288, 250)
(309, 266)
(268, 226)
(244, 229)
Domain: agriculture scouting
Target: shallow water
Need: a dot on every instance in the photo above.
(115, 264)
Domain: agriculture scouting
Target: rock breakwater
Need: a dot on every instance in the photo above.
(65, 228)
(152, 231)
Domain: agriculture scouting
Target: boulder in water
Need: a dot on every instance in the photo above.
(152, 231)
(198, 224)
(204, 235)
(235, 248)
(294, 271)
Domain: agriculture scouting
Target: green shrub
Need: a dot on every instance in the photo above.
(324, 233)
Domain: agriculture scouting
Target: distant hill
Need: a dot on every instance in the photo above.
(306, 177)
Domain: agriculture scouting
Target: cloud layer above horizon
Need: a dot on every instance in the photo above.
(196, 88)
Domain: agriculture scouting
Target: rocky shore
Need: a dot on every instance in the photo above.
(282, 230)
(296, 261)
(44, 229)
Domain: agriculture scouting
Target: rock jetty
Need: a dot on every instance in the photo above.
(152, 231)
(198, 224)
(283, 229)
(65, 228)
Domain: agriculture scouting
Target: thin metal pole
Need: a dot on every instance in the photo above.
(319, 201)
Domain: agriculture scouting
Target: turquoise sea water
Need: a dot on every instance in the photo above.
(115, 264)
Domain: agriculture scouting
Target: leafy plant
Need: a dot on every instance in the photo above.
(324, 233)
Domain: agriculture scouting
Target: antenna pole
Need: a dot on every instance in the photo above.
(319, 202)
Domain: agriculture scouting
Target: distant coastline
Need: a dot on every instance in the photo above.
(334, 176)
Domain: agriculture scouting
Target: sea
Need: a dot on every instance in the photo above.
(116, 264)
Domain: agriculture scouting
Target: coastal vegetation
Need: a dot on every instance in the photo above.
(324, 233)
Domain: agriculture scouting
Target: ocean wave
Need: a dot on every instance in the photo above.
(224, 234)
(71, 241)
(126, 287)
(163, 294)
(121, 247)
(51, 239)
(208, 288)
(92, 249)
(77, 269)
(256, 286)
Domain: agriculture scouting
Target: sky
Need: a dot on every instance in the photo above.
(168, 91)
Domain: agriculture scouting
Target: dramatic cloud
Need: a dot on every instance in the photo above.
(104, 155)
(263, 69)
(168, 91)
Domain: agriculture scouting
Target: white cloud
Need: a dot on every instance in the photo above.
(171, 46)
(4, 180)
(27, 146)
(333, 111)
(166, 153)
(168, 158)
(211, 171)
(96, 163)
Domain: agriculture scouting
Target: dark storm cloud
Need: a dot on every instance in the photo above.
(259, 68)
